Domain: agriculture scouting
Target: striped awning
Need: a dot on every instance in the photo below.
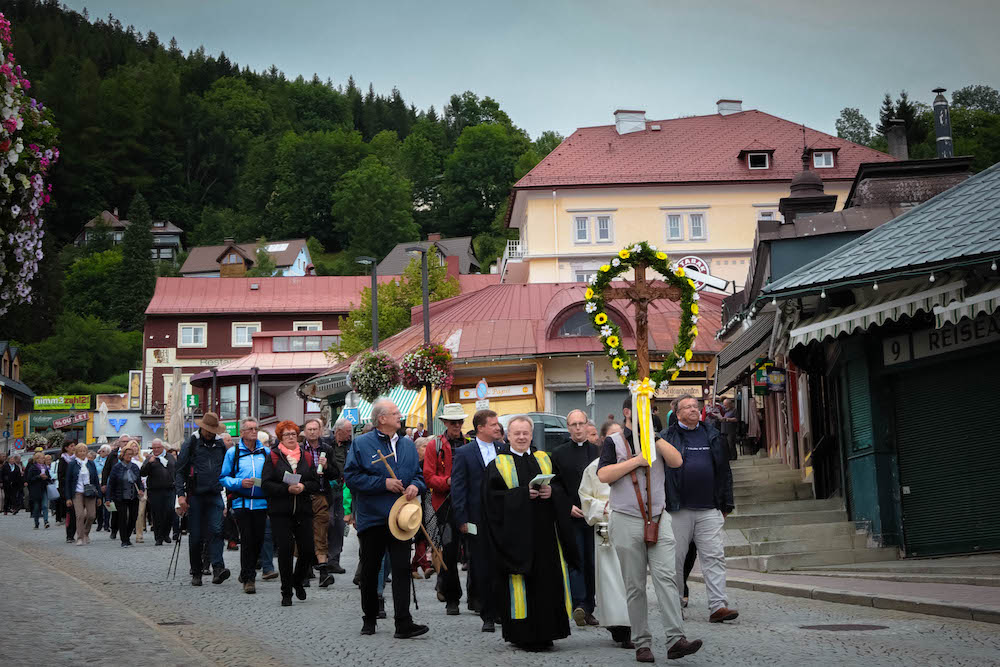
(689, 367)
(888, 308)
(403, 398)
(986, 300)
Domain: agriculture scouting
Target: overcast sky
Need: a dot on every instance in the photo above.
(563, 64)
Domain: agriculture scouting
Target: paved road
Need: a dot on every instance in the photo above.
(127, 590)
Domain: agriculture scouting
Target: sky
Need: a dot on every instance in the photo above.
(563, 64)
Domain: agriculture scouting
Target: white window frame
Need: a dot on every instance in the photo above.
(772, 212)
(680, 226)
(767, 160)
(597, 229)
(195, 325)
(704, 227)
(576, 228)
(238, 325)
(817, 154)
(310, 325)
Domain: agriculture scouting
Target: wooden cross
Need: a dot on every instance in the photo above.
(641, 293)
(437, 558)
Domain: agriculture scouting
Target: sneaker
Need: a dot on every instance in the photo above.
(410, 631)
(683, 647)
(46, 525)
(69, 540)
(125, 545)
(86, 539)
(591, 620)
(268, 576)
(326, 581)
(79, 541)
(580, 616)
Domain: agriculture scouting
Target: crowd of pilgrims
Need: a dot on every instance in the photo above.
(546, 537)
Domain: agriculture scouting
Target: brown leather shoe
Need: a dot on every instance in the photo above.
(590, 620)
(644, 655)
(683, 647)
(723, 614)
(249, 587)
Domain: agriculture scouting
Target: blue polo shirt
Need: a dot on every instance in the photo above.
(698, 472)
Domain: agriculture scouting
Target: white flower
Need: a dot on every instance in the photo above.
(590, 307)
(663, 385)
(694, 319)
(592, 280)
(680, 363)
(613, 351)
(633, 386)
(605, 331)
(15, 210)
(623, 371)
(652, 247)
(616, 262)
(637, 248)
(12, 156)
(696, 297)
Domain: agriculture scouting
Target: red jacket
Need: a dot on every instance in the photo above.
(437, 469)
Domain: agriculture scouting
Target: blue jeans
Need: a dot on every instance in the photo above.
(383, 573)
(266, 560)
(205, 525)
(40, 508)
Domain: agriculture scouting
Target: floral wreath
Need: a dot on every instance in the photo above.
(610, 333)
(373, 374)
(428, 364)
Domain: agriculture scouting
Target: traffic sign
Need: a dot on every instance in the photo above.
(192, 400)
(482, 389)
(483, 404)
(6, 434)
(590, 397)
(19, 443)
(352, 415)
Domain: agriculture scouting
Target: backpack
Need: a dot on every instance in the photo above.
(306, 454)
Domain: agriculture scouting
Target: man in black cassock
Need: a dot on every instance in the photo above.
(527, 529)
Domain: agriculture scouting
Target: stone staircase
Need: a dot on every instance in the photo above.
(778, 525)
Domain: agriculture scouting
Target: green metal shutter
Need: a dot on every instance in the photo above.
(948, 438)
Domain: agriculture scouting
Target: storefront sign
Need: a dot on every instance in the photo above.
(503, 391)
(62, 402)
(932, 342)
(763, 366)
(113, 401)
(134, 390)
(72, 419)
(776, 380)
(677, 390)
(696, 263)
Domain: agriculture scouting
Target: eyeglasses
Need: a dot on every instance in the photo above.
(577, 424)
(249, 428)
(289, 434)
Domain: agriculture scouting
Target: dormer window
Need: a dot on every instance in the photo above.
(758, 160)
(232, 258)
(823, 159)
(158, 223)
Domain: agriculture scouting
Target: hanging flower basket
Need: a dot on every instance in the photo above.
(373, 374)
(27, 150)
(428, 364)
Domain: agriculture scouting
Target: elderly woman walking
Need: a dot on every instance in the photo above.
(82, 490)
(38, 478)
(124, 491)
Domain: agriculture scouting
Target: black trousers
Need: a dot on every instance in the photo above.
(290, 532)
(374, 543)
(114, 521)
(481, 575)
(128, 512)
(583, 582)
(71, 524)
(449, 584)
(161, 506)
(252, 524)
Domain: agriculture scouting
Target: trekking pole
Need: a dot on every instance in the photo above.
(436, 556)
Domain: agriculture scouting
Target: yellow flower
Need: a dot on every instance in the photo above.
(589, 294)
(605, 267)
(690, 282)
(661, 255)
(694, 332)
(674, 375)
(601, 318)
(617, 363)
(679, 271)
(623, 379)
(688, 355)
(623, 253)
(612, 341)
(694, 309)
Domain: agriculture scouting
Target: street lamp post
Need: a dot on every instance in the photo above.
(427, 324)
(371, 260)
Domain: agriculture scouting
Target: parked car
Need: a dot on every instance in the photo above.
(550, 429)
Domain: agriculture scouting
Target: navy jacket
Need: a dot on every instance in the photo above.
(199, 466)
(467, 468)
(73, 475)
(365, 476)
(722, 494)
(117, 483)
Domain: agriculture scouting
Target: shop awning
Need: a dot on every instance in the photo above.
(738, 357)
(888, 308)
(403, 398)
(985, 300)
(690, 367)
(418, 409)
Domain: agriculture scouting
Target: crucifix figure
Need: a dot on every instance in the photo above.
(641, 293)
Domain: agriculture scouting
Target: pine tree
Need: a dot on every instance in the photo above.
(137, 276)
(885, 114)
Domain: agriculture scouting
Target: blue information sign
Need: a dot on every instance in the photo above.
(352, 415)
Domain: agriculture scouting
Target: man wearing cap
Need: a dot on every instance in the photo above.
(437, 473)
(374, 492)
(199, 494)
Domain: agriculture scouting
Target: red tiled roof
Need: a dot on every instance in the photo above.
(695, 149)
(512, 320)
(305, 294)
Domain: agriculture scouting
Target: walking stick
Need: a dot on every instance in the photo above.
(175, 557)
(437, 559)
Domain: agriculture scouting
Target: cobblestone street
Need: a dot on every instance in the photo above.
(131, 614)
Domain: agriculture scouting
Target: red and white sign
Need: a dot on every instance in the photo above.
(72, 419)
(696, 263)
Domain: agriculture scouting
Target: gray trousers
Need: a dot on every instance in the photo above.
(635, 556)
(335, 535)
(704, 527)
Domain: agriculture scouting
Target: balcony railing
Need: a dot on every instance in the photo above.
(514, 252)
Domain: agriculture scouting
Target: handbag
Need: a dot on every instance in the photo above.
(89, 490)
(52, 489)
(650, 528)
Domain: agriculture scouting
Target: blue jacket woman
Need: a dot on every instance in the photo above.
(250, 466)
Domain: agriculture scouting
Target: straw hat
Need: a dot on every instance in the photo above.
(453, 412)
(405, 517)
(210, 422)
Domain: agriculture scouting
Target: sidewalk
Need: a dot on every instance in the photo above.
(977, 603)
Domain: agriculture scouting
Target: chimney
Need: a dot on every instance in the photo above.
(452, 263)
(630, 120)
(227, 241)
(896, 136)
(115, 212)
(434, 236)
(942, 125)
(727, 107)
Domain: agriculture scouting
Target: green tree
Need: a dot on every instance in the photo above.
(983, 98)
(372, 206)
(264, 266)
(853, 126)
(137, 273)
(886, 113)
(395, 301)
(91, 283)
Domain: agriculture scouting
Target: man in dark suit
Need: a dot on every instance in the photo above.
(568, 462)
(468, 464)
